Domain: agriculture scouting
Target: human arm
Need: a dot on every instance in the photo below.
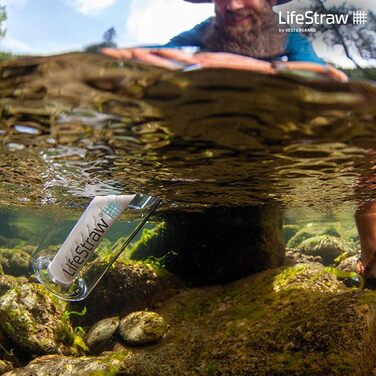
(231, 61)
(365, 218)
(174, 59)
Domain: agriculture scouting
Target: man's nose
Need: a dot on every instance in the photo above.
(235, 5)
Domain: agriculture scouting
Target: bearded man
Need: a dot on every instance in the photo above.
(249, 28)
(244, 34)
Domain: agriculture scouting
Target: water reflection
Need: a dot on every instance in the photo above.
(196, 139)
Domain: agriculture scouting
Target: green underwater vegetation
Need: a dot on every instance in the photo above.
(75, 336)
(290, 319)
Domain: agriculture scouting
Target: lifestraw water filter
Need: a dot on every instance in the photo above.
(74, 270)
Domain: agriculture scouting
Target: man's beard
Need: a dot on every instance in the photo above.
(258, 37)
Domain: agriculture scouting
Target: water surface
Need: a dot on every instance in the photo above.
(79, 124)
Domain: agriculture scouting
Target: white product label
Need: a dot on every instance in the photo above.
(88, 232)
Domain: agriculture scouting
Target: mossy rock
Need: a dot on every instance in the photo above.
(142, 328)
(58, 365)
(295, 257)
(15, 261)
(101, 335)
(28, 248)
(297, 321)
(32, 318)
(288, 231)
(311, 230)
(8, 282)
(126, 287)
(299, 237)
(348, 264)
(332, 231)
(329, 248)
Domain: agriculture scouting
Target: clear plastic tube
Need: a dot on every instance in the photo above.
(66, 273)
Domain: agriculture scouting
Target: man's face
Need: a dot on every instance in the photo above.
(245, 27)
(241, 15)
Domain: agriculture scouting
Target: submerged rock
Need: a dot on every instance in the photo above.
(101, 334)
(28, 248)
(299, 237)
(59, 365)
(289, 231)
(348, 264)
(15, 262)
(8, 282)
(295, 321)
(326, 246)
(32, 318)
(295, 257)
(142, 328)
(126, 287)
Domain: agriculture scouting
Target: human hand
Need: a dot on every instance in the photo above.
(169, 58)
(326, 70)
(172, 58)
(336, 74)
(232, 61)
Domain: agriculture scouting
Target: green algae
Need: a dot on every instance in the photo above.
(146, 236)
(112, 370)
(73, 336)
(290, 321)
(342, 275)
(79, 344)
(68, 314)
(285, 277)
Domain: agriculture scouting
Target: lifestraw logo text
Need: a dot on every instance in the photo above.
(82, 251)
(310, 19)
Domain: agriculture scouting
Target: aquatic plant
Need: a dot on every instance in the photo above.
(79, 344)
(159, 262)
(68, 314)
(74, 337)
(328, 247)
(146, 236)
(9, 353)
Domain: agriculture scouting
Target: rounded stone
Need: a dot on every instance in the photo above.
(142, 328)
(15, 262)
(326, 246)
(101, 334)
(348, 264)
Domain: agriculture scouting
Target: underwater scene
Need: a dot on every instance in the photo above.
(248, 266)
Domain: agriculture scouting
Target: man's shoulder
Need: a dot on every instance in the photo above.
(299, 48)
(295, 37)
(192, 37)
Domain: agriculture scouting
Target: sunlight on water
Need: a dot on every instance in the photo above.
(77, 125)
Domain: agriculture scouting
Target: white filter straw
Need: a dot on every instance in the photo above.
(97, 219)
